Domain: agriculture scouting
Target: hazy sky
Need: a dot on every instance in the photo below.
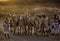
(34, 0)
(40, 0)
(27, 1)
(3, 0)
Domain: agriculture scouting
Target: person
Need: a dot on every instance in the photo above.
(55, 27)
(13, 24)
(42, 26)
(21, 25)
(40, 22)
(6, 25)
(59, 22)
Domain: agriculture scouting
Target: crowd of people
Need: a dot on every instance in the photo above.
(33, 22)
(32, 25)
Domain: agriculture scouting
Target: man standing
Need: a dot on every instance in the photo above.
(6, 26)
(56, 25)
